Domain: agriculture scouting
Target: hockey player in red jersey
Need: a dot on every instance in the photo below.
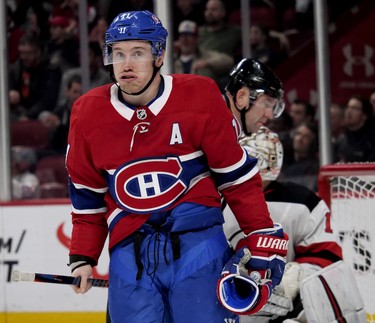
(312, 242)
(147, 157)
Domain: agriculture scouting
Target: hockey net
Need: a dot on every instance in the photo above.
(349, 191)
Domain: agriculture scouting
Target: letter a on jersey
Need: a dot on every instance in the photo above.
(176, 137)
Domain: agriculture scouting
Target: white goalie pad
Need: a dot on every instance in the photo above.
(331, 295)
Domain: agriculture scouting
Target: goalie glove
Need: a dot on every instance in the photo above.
(249, 276)
(281, 301)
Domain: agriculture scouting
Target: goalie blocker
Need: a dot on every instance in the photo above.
(249, 276)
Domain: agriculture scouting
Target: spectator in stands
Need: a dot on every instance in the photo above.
(372, 101)
(97, 30)
(32, 17)
(304, 169)
(14, 34)
(36, 81)
(260, 49)
(16, 110)
(266, 45)
(358, 143)
(216, 34)
(98, 75)
(304, 14)
(25, 184)
(57, 133)
(282, 126)
(70, 10)
(72, 92)
(116, 6)
(57, 121)
(337, 117)
(61, 49)
(190, 59)
(186, 10)
(301, 111)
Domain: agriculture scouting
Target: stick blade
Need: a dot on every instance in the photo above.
(22, 276)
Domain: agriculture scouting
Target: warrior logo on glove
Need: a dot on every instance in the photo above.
(257, 267)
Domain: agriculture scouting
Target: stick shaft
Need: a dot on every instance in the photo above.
(68, 280)
(58, 279)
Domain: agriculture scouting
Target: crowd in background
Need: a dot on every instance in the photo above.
(45, 78)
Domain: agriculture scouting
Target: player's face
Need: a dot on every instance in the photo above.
(260, 112)
(132, 64)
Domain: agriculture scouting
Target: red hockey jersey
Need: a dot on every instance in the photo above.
(126, 163)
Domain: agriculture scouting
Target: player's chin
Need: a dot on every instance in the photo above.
(127, 88)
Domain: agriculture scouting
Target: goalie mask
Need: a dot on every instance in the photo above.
(267, 148)
(260, 80)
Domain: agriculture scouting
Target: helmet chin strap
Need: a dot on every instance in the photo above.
(243, 115)
(155, 71)
(243, 121)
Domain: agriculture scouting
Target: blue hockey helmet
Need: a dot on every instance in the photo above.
(135, 25)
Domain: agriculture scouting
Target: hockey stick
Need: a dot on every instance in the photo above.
(54, 279)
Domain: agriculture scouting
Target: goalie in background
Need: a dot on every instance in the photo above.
(313, 244)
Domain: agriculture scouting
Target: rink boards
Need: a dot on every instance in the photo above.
(35, 238)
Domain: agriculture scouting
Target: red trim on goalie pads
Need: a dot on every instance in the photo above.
(332, 299)
(321, 254)
(265, 245)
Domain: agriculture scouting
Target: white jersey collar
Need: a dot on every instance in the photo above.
(155, 107)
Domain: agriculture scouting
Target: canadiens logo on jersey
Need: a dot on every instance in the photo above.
(149, 185)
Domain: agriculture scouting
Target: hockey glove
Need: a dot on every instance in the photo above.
(249, 276)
